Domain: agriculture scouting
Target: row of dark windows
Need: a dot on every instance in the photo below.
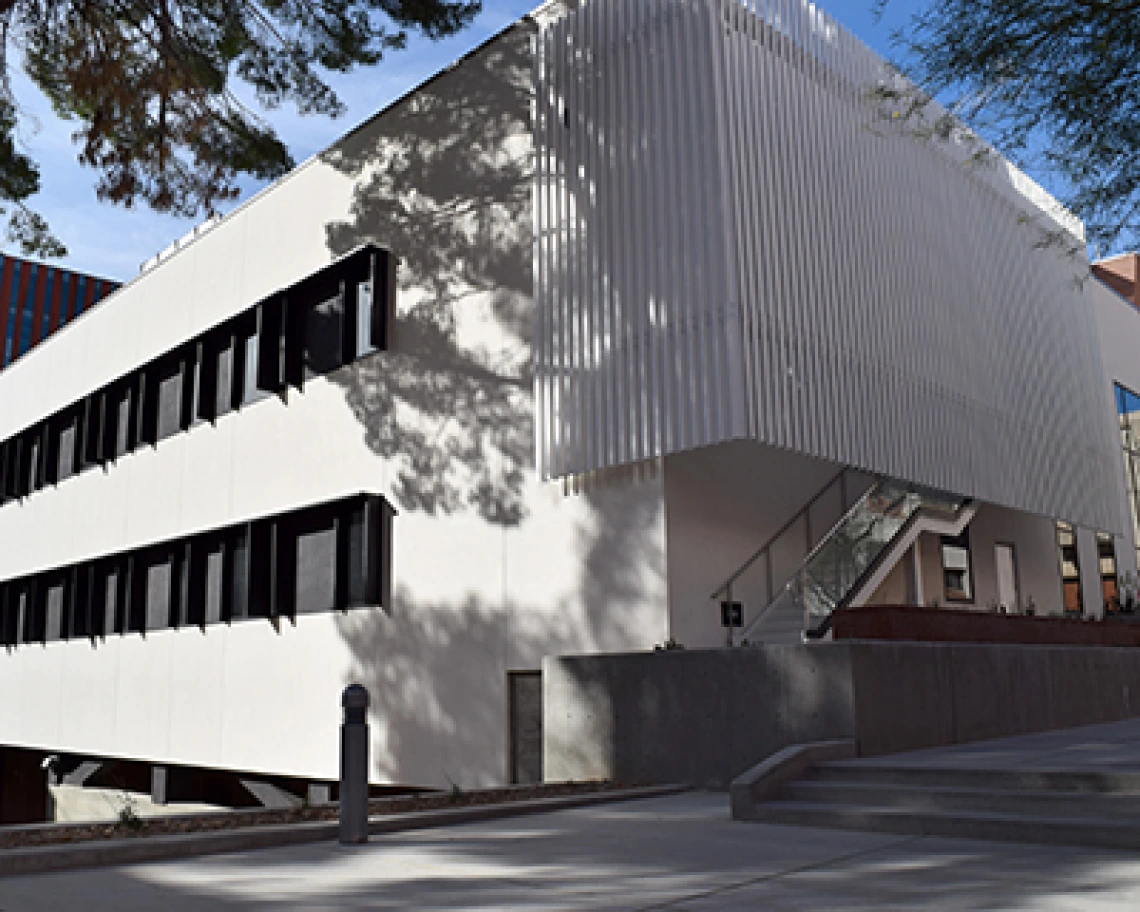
(332, 556)
(315, 326)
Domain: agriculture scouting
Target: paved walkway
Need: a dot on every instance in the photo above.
(680, 853)
(1110, 747)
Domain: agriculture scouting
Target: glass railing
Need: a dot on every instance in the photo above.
(828, 575)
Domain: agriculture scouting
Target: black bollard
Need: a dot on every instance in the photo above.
(354, 766)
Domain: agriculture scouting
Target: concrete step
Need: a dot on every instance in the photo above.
(779, 628)
(1109, 834)
(1087, 805)
(1098, 781)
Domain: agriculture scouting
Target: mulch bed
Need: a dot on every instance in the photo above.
(50, 834)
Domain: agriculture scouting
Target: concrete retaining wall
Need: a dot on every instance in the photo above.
(705, 716)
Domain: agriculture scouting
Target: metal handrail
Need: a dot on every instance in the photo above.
(747, 565)
(813, 552)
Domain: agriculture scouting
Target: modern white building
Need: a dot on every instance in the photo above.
(642, 307)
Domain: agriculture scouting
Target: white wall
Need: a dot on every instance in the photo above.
(1118, 323)
(736, 241)
(722, 503)
(1035, 547)
(493, 569)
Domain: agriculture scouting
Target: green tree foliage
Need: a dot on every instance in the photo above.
(1055, 84)
(156, 88)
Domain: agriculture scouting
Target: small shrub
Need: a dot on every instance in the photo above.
(129, 818)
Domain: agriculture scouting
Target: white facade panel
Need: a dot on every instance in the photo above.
(492, 568)
(742, 244)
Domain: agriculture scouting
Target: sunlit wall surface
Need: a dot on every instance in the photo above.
(736, 238)
(37, 299)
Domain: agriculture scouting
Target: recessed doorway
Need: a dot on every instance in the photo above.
(1005, 558)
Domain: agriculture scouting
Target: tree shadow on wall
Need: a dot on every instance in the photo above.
(434, 667)
(444, 180)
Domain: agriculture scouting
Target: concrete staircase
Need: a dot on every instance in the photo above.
(780, 625)
(1063, 807)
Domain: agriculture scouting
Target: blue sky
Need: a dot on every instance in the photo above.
(110, 241)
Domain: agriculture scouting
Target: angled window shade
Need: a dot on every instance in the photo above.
(349, 293)
(262, 571)
(30, 621)
(136, 576)
(271, 344)
(79, 601)
(318, 324)
(189, 406)
(50, 450)
(207, 394)
(9, 616)
(93, 431)
(147, 411)
(294, 318)
(384, 266)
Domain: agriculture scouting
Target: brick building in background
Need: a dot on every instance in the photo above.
(1120, 273)
(37, 299)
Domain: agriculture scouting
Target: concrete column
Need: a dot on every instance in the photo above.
(913, 558)
(159, 784)
(1092, 591)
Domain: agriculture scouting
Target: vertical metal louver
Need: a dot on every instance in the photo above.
(733, 242)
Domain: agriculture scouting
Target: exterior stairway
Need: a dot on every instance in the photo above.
(1056, 806)
(849, 562)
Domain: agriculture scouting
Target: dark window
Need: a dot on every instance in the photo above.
(108, 598)
(79, 601)
(30, 461)
(135, 567)
(316, 325)
(215, 576)
(167, 383)
(271, 325)
(245, 363)
(33, 615)
(323, 337)
(262, 572)
(328, 556)
(53, 594)
(9, 615)
(206, 393)
(957, 577)
(158, 567)
(316, 562)
(93, 430)
(1070, 568)
(235, 575)
(148, 406)
(188, 416)
(1109, 584)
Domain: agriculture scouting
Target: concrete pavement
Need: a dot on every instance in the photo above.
(679, 853)
(1110, 747)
